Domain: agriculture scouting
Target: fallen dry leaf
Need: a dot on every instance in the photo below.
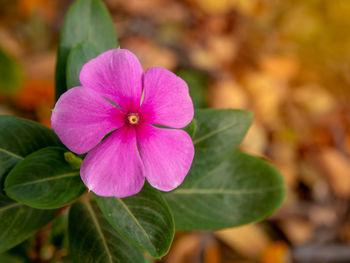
(297, 230)
(149, 53)
(227, 94)
(35, 93)
(255, 141)
(185, 249)
(337, 167)
(276, 252)
(267, 93)
(281, 66)
(212, 253)
(249, 240)
(314, 99)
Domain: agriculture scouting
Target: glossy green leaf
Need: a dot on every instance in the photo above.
(10, 73)
(144, 219)
(79, 55)
(218, 133)
(21, 250)
(18, 138)
(86, 21)
(191, 128)
(92, 238)
(58, 235)
(242, 189)
(7, 258)
(18, 222)
(44, 180)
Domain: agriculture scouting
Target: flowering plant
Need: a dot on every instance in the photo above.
(153, 163)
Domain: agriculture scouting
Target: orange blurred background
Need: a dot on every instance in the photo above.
(287, 61)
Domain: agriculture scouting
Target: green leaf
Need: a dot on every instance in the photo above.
(242, 189)
(18, 138)
(79, 55)
(144, 219)
(21, 250)
(86, 21)
(92, 238)
(8, 258)
(191, 128)
(19, 222)
(10, 77)
(44, 180)
(58, 235)
(218, 133)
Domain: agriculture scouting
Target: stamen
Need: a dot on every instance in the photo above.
(133, 118)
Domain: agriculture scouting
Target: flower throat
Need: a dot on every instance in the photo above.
(132, 118)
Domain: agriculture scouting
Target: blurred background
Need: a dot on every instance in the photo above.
(287, 61)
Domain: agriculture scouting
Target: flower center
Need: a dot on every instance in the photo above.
(133, 118)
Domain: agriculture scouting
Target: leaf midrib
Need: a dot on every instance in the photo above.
(224, 191)
(136, 221)
(9, 206)
(46, 179)
(212, 133)
(11, 154)
(99, 230)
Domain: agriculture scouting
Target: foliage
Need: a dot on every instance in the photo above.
(224, 187)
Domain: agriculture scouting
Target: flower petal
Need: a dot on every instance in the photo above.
(166, 154)
(81, 118)
(166, 101)
(114, 167)
(117, 75)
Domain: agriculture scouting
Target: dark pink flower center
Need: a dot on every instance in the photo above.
(132, 118)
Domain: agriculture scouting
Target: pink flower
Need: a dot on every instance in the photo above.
(117, 97)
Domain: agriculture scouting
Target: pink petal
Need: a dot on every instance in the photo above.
(166, 101)
(114, 167)
(81, 118)
(117, 75)
(167, 155)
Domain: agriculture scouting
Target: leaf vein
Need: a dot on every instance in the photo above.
(212, 133)
(136, 221)
(225, 191)
(48, 179)
(9, 206)
(11, 154)
(99, 230)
